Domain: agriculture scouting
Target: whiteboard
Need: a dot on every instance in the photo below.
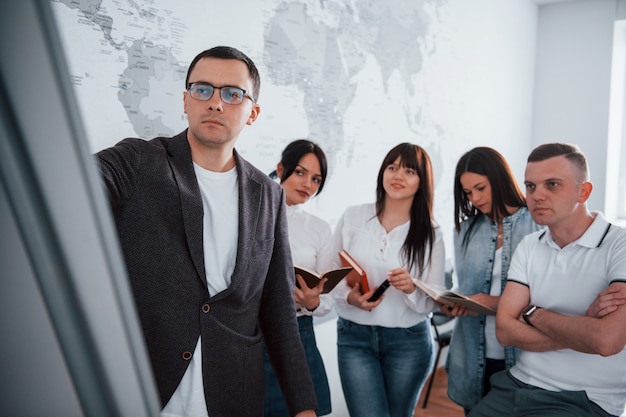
(71, 340)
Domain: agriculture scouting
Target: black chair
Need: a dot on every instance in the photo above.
(443, 339)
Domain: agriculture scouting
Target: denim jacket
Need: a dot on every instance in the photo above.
(473, 265)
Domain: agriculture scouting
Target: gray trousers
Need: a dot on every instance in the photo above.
(510, 397)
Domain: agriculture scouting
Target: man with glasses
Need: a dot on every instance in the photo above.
(204, 236)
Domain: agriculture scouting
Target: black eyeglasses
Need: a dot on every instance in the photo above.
(228, 94)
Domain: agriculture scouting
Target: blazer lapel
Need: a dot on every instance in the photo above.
(250, 194)
(190, 199)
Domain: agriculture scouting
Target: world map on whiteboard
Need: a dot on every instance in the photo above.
(329, 69)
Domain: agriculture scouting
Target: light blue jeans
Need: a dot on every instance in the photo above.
(383, 369)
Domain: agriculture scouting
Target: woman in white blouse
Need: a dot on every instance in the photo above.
(302, 172)
(385, 347)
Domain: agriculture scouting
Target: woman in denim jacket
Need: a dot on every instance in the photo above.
(491, 218)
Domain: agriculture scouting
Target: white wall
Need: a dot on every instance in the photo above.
(572, 81)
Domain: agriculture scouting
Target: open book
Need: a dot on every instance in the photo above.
(358, 274)
(312, 279)
(451, 298)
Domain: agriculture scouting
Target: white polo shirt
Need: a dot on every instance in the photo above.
(567, 280)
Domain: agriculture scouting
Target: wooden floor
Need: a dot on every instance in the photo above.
(439, 405)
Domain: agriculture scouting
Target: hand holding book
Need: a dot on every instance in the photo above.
(312, 279)
(308, 298)
(452, 298)
(357, 275)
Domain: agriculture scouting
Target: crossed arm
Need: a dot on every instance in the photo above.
(601, 331)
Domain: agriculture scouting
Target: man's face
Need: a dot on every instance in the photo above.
(213, 123)
(554, 190)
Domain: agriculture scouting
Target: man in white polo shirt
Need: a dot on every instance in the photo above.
(563, 304)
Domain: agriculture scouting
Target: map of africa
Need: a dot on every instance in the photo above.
(345, 74)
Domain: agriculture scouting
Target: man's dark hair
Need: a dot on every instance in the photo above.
(227, 52)
(569, 151)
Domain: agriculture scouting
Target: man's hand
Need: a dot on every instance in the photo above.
(511, 330)
(306, 413)
(607, 301)
(603, 334)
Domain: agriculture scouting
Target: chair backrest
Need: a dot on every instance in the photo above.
(448, 279)
(438, 319)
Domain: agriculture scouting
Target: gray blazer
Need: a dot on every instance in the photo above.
(156, 202)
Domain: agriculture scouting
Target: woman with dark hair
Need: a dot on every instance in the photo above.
(385, 348)
(490, 218)
(302, 173)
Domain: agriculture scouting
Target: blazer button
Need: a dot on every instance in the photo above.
(206, 307)
(187, 355)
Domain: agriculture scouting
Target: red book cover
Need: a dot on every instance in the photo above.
(357, 274)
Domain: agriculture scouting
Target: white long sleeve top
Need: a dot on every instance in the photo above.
(361, 234)
(310, 238)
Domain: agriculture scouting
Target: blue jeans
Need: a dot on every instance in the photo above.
(383, 369)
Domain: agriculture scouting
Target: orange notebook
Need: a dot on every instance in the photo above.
(357, 274)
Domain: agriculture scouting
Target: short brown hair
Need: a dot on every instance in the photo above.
(569, 151)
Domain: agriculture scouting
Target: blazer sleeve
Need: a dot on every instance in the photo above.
(279, 325)
(118, 167)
